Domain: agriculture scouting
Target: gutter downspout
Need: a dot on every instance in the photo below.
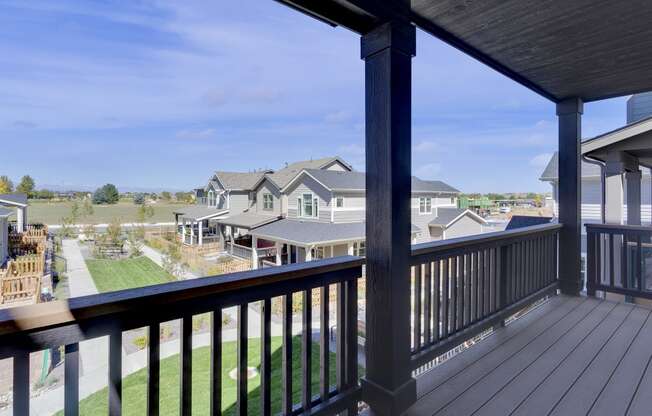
(603, 190)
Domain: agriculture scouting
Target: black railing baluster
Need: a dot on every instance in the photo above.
(639, 263)
(416, 310)
(611, 260)
(351, 314)
(481, 284)
(306, 351)
(427, 302)
(452, 277)
(435, 269)
(340, 355)
(153, 368)
(474, 286)
(591, 269)
(115, 373)
(493, 281)
(21, 384)
(467, 289)
(243, 349)
(460, 292)
(444, 297)
(71, 380)
(287, 355)
(266, 357)
(216, 363)
(186, 366)
(324, 344)
(624, 278)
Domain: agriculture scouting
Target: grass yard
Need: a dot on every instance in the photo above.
(110, 275)
(134, 386)
(51, 212)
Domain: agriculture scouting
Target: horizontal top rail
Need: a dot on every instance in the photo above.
(616, 228)
(131, 308)
(461, 244)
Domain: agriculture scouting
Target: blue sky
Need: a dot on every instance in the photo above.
(161, 93)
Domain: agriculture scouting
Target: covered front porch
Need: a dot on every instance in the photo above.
(197, 226)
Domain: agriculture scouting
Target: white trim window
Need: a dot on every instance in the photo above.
(211, 198)
(359, 249)
(268, 202)
(308, 206)
(339, 202)
(425, 205)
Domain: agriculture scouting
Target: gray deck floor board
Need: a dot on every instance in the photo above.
(571, 356)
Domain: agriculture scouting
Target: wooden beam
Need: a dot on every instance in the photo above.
(569, 112)
(388, 50)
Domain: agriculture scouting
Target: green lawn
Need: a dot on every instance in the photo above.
(134, 386)
(110, 275)
(52, 212)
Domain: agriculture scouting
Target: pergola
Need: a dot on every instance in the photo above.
(570, 52)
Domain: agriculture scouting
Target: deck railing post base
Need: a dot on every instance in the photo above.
(389, 403)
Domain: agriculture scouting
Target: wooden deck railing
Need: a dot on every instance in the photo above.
(619, 260)
(463, 286)
(20, 280)
(32, 328)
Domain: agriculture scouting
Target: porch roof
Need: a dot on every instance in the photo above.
(306, 233)
(634, 139)
(14, 200)
(199, 213)
(446, 216)
(4, 212)
(557, 48)
(248, 220)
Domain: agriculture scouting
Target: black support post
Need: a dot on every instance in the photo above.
(388, 50)
(569, 112)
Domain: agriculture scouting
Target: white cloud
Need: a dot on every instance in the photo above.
(428, 171)
(540, 160)
(425, 146)
(195, 133)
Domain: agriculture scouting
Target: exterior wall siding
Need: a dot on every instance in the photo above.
(354, 209)
(267, 188)
(463, 227)
(422, 221)
(309, 185)
(239, 202)
(639, 106)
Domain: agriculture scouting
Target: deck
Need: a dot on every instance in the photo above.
(570, 356)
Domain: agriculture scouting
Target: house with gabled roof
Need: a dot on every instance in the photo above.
(309, 209)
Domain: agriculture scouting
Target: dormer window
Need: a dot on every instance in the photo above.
(268, 202)
(425, 205)
(339, 202)
(211, 198)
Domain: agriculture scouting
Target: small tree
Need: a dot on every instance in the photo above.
(74, 211)
(114, 231)
(135, 245)
(6, 185)
(108, 194)
(166, 196)
(26, 186)
(87, 209)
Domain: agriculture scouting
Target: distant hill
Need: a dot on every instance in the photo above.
(121, 189)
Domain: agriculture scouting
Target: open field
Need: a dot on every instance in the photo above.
(134, 386)
(52, 212)
(111, 275)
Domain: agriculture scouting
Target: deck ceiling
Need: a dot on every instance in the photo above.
(558, 48)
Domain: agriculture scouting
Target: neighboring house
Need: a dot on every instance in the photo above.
(18, 201)
(521, 221)
(315, 209)
(639, 106)
(4, 234)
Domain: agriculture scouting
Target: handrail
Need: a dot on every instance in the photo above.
(619, 227)
(487, 239)
(58, 313)
(37, 327)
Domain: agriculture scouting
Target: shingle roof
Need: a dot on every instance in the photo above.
(200, 212)
(13, 199)
(446, 215)
(4, 212)
(520, 221)
(283, 176)
(239, 180)
(550, 173)
(248, 220)
(311, 232)
(355, 181)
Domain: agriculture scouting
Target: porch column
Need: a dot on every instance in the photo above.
(349, 249)
(201, 232)
(614, 189)
(308, 251)
(633, 180)
(20, 219)
(183, 230)
(192, 232)
(388, 386)
(279, 249)
(570, 112)
(254, 252)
